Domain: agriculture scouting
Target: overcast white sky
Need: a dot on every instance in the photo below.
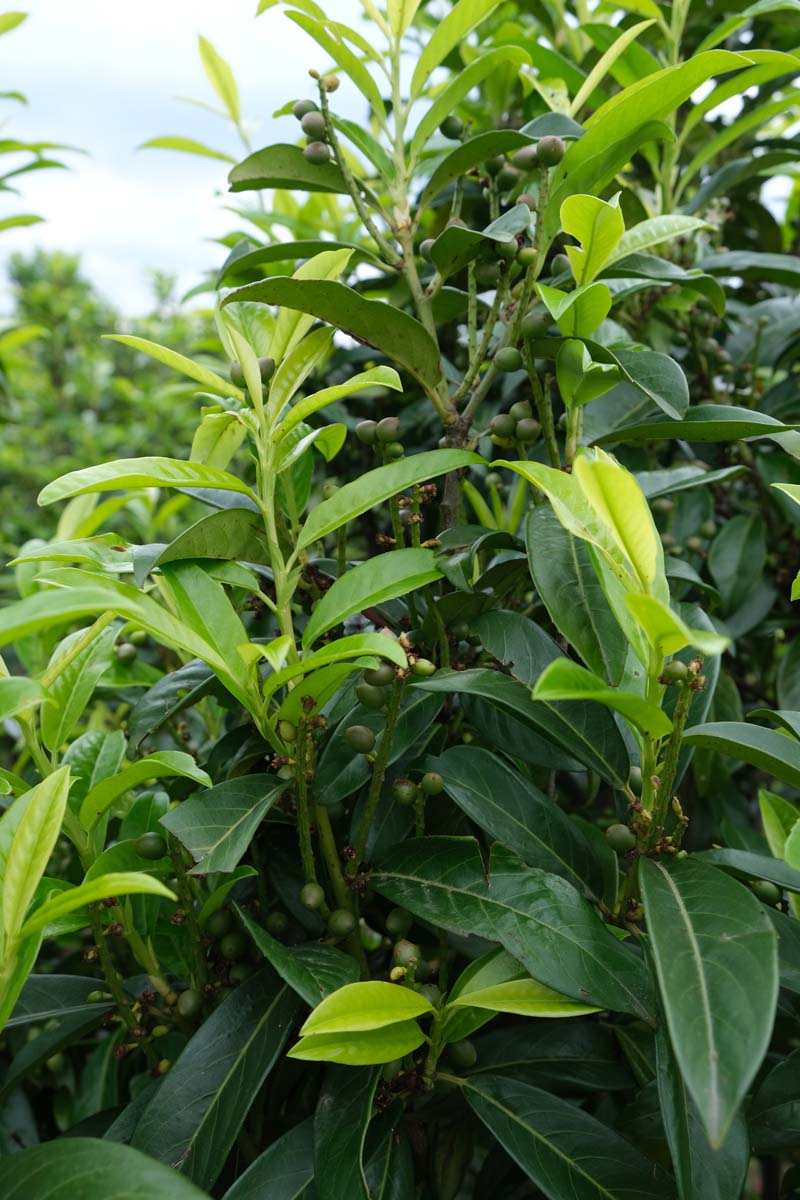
(102, 75)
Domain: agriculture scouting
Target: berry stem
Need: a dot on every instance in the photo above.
(303, 802)
(378, 774)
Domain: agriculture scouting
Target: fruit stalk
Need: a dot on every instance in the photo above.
(378, 774)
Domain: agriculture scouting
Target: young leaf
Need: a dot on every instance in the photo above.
(178, 362)
(565, 680)
(18, 693)
(71, 689)
(120, 883)
(138, 473)
(362, 1006)
(525, 997)
(372, 582)
(220, 76)
(598, 225)
(163, 764)
(710, 938)
(577, 313)
(360, 1049)
(23, 861)
(666, 632)
(448, 33)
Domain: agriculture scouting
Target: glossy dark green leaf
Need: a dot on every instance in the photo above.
(196, 1114)
(699, 1170)
(777, 268)
(457, 245)
(563, 1056)
(390, 330)
(517, 642)
(343, 1112)
(168, 698)
(313, 970)
(282, 166)
(229, 534)
(283, 1171)
(736, 558)
(788, 931)
(716, 960)
(469, 154)
(766, 749)
(568, 585)
(703, 423)
(743, 864)
(567, 1153)
(250, 257)
(65, 1032)
(389, 1166)
(683, 479)
(84, 1168)
(538, 918)
(774, 1115)
(513, 811)
(216, 826)
(44, 997)
(586, 732)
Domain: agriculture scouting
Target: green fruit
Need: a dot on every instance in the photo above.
(150, 846)
(527, 256)
(360, 738)
(675, 671)
(302, 107)
(620, 838)
(508, 177)
(239, 972)
(125, 652)
(55, 1062)
(393, 450)
(388, 430)
(526, 159)
(423, 667)
(380, 676)
(527, 198)
(527, 430)
(276, 923)
(370, 696)
(535, 324)
(493, 166)
(137, 637)
(219, 923)
(365, 432)
(432, 783)
(425, 248)
(286, 772)
(317, 153)
(341, 923)
(234, 945)
(237, 374)
(266, 367)
(312, 896)
(487, 273)
(503, 425)
(635, 781)
(452, 127)
(398, 922)
(506, 250)
(462, 1055)
(708, 529)
(561, 265)
(405, 953)
(521, 411)
(287, 732)
(189, 1003)
(331, 83)
(404, 792)
(766, 891)
(550, 151)
(313, 126)
(695, 543)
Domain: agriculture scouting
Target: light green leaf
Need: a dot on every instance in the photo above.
(449, 33)
(295, 367)
(360, 1049)
(126, 473)
(120, 883)
(598, 225)
(566, 680)
(18, 693)
(362, 1006)
(202, 375)
(778, 817)
(724, 29)
(666, 632)
(616, 497)
(372, 582)
(285, 167)
(185, 146)
(525, 997)
(579, 379)
(401, 13)
(72, 687)
(376, 377)
(357, 644)
(378, 485)
(33, 841)
(324, 34)
(605, 63)
(163, 764)
(653, 232)
(577, 313)
(220, 76)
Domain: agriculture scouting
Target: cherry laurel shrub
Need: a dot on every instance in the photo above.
(422, 819)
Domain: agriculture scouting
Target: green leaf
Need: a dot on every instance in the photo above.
(587, 733)
(220, 76)
(577, 313)
(35, 832)
(360, 1049)
(72, 688)
(373, 582)
(605, 64)
(774, 1116)
(566, 1152)
(178, 362)
(216, 826)
(471, 153)
(69, 1168)
(736, 558)
(668, 633)
(565, 680)
(169, 697)
(10, 20)
(355, 646)
(598, 225)
(711, 938)
(222, 1070)
(766, 749)
(378, 485)
(743, 864)
(163, 764)
(569, 1056)
(702, 423)
(512, 810)
(324, 34)
(363, 1006)
(231, 533)
(456, 245)
(580, 380)
(395, 333)
(120, 883)
(572, 594)
(376, 377)
(45, 997)
(525, 997)
(140, 472)
(284, 166)
(460, 85)
(283, 1172)
(778, 818)
(18, 693)
(313, 970)
(343, 1113)
(540, 919)
(185, 145)
(446, 36)
(653, 232)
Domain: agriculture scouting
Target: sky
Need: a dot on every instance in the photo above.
(103, 75)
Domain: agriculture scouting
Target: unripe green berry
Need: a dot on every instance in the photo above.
(380, 676)
(560, 265)
(426, 247)
(137, 637)
(365, 432)
(452, 127)
(493, 166)
(388, 430)
(535, 324)
(317, 153)
(266, 367)
(527, 430)
(237, 374)
(341, 923)
(508, 359)
(503, 425)
(189, 1003)
(150, 846)
(432, 783)
(432, 993)
(766, 891)
(393, 450)
(240, 972)
(550, 151)
(507, 251)
(287, 731)
(423, 667)
(313, 125)
(526, 159)
(219, 923)
(275, 922)
(635, 780)
(404, 792)
(507, 177)
(312, 896)
(675, 671)
(360, 738)
(398, 922)
(487, 273)
(371, 696)
(125, 652)
(462, 1055)
(520, 411)
(527, 256)
(708, 529)
(405, 953)
(331, 83)
(302, 107)
(234, 944)
(620, 838)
